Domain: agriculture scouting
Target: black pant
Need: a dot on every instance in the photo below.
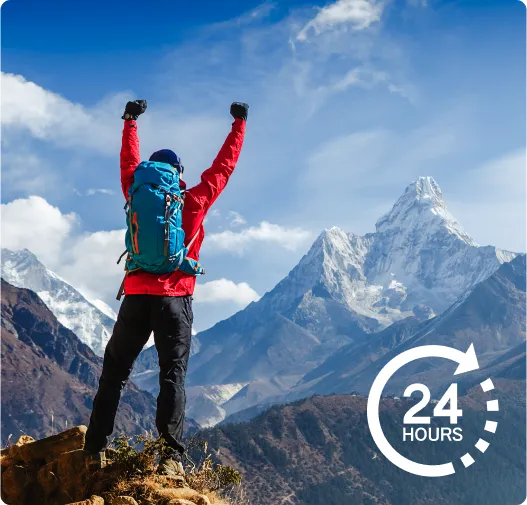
(170, 318)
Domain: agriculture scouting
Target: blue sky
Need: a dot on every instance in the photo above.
(350, 101)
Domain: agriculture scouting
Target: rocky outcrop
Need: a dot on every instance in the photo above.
(48, 471)
(57, 471)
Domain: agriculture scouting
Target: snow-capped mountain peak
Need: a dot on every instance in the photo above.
(419, 259)
(425, 189)
(91, 324)
(422, 207)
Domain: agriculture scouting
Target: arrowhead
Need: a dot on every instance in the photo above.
(469, 362)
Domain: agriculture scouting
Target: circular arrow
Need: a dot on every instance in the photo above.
(467, 362)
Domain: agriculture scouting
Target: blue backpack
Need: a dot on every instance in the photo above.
(155, 240)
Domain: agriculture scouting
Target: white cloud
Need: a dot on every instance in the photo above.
(34, 224)
(28, 108)
(102, 191)
(394, 157)
(88, 261)
(367, 78)
(359, 14)
(247, 18)
(26, 104)
(287, 238)
(24, 173)
(236, 219)
(85, 260)
(342, 55)
(48, 116)
(224, 290)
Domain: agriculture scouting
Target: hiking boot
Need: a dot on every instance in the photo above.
(171, 466)
(110, 454)
(95, 461)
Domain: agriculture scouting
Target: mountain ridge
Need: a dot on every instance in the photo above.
(319, 450)
(491, 316)
(43, 359)
(344, 290)
(91, 324)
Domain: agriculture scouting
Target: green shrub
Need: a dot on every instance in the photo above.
(138, 455)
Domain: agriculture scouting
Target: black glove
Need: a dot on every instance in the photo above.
(134, 109)
(239, 110)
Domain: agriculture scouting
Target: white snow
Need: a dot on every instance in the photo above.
(87, 320)
(419, 255)
(104, 308)
(205, 402)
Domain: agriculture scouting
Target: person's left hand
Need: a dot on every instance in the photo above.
(239, 110)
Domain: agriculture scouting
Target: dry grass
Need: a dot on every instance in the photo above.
(133, 472)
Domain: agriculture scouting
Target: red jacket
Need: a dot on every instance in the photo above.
(197, 203)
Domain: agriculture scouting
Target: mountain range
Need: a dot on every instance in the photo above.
(50, 377)
(347, 292)
(491, 316)
(351, 303)
(319, 451)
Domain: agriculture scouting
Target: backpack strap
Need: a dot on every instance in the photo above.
(168, 202)
(122, 255)
(167, 223)
(121, 290)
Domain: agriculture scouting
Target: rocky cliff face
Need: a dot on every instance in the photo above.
(57, 471)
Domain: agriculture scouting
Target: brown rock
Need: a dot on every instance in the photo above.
(202, 500)
(50, 448)
(14, 484)
(4, 455)
(185, 493)
(94, 500)
(5, 459)
(14, 451)
(48, 479)
(123, 500)
(180, 501)
(71, 471)
(175, 480)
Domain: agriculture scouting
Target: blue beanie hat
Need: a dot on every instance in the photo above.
(167, 156)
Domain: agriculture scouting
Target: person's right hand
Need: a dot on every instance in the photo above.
(239, 110)
(134, 109)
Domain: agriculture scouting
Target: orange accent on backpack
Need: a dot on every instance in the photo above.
(135, 243)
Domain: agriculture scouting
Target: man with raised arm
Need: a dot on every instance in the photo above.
(163, 241)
